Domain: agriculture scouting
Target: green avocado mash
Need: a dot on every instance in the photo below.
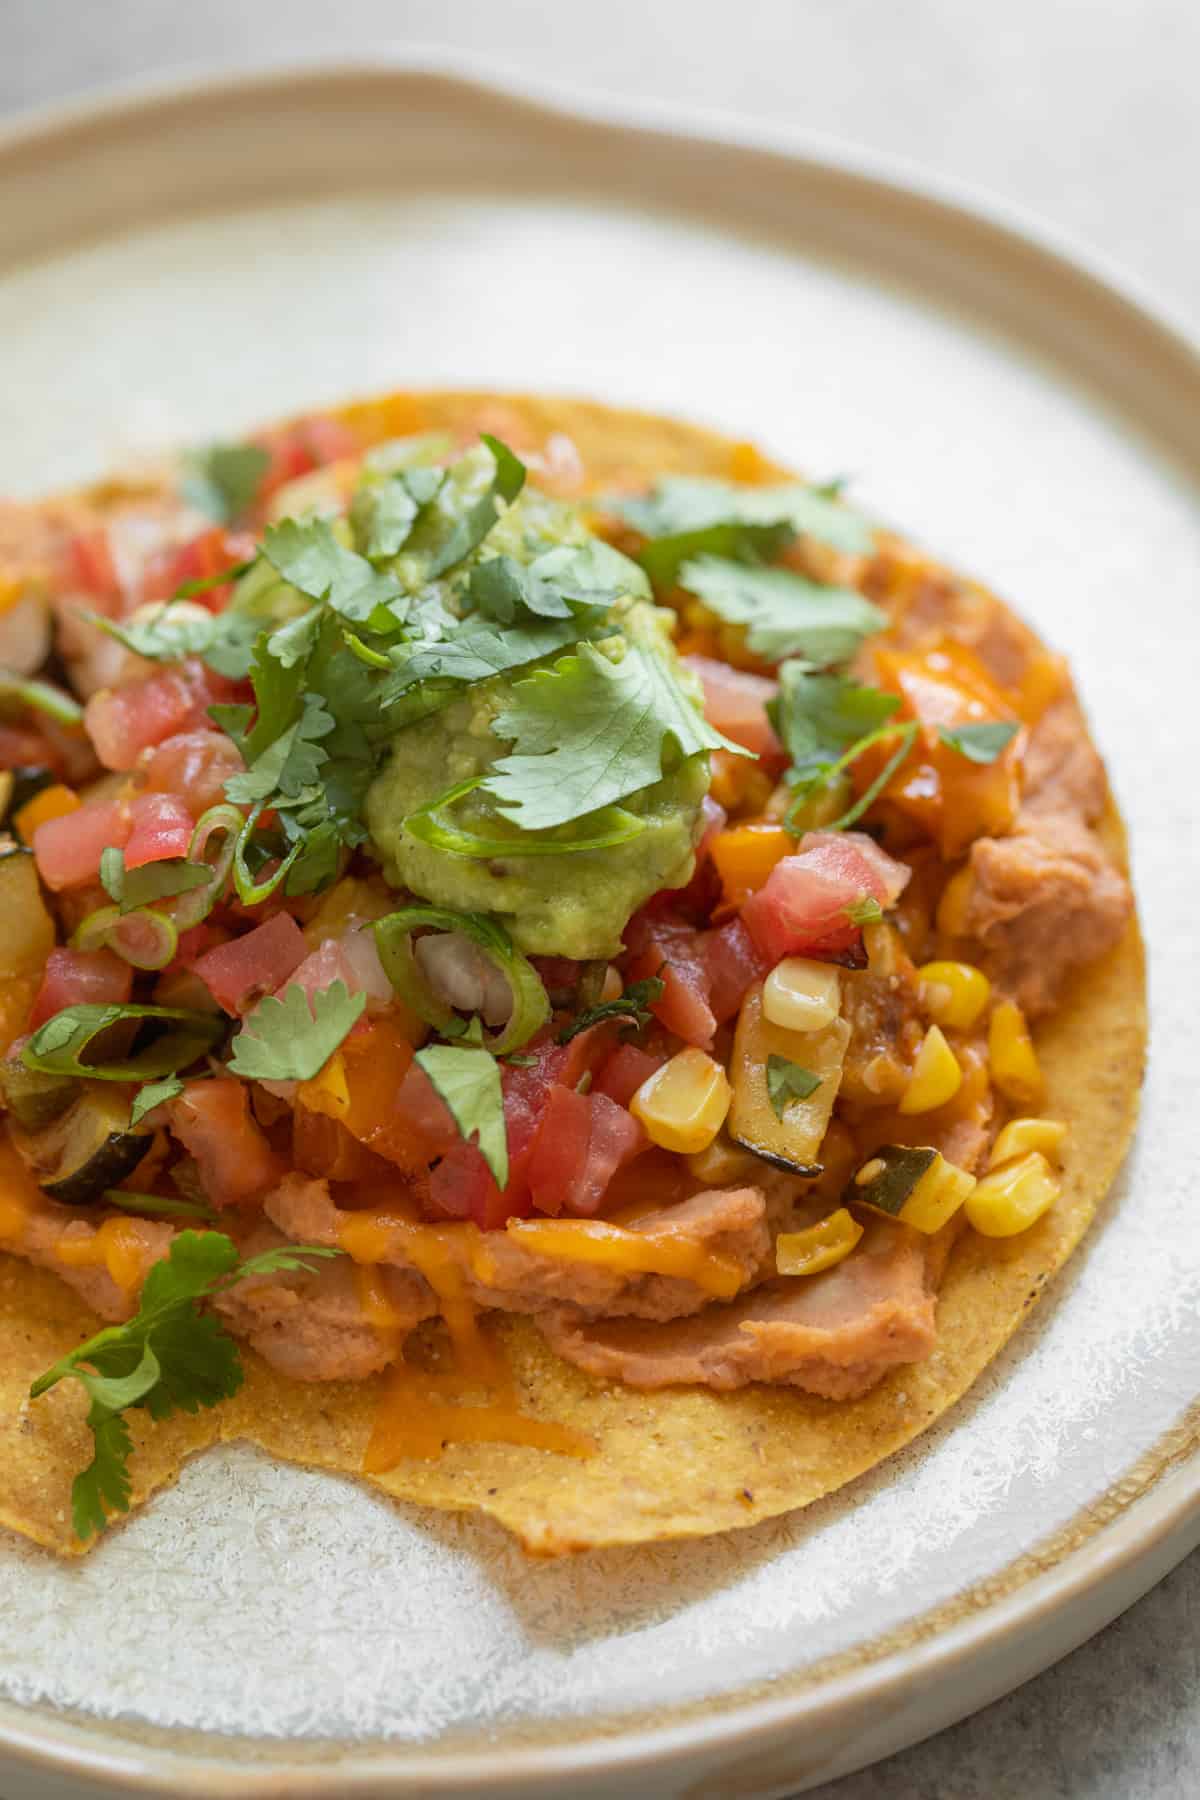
(573, 905)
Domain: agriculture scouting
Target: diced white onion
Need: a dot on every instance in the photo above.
(460, 974)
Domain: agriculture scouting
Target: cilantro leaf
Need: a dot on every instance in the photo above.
(589, 732)
(131, 888)
(153, 1094)
(735, 539)
(382, 514)
(634, 1004)
(478, 648)
(788, 1081)
(866, 911)
(287, 1040)
(819, 716)
(980, 743)
(313, 560)
(223, 480)
(692, 502)
(502, 588)
(785, 614)
(164, 636)
(461, 516)
(291, 764)
(468, 1081)
(171, 1356)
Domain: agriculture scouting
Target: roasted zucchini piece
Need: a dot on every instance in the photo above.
(87, 1150)
(34, 1098)
(912, 1183)
(792, 1139)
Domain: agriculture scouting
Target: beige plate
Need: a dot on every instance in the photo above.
(188, 262)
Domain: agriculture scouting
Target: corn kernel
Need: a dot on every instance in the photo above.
(724, 1164)
(802, 995)
(820, 1247)
(1020, 1136)
(936, 1076)
(1012, 1199)
(952, 907)
(954, 993)
(1011, 1055)
(937, 1197)
(683, 1105)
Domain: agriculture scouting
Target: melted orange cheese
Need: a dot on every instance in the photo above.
(116, 1246)
(418, 1417)
(436, 1251)
(599, 1241)
(20, 1195)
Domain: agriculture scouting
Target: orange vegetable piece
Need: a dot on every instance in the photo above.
(53, 802)
(745, 855)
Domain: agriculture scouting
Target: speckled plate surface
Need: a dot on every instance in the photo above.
(208, 257)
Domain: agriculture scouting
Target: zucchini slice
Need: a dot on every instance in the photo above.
(26, 928)
(912, 1183)
(34, 1098)
(87, 1150)
(793, 1141)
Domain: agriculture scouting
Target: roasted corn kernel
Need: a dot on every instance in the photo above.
(1013, 1198)
(936, 1075)
(912, 1183)
(822, 1245)
(954, 993)
(952, 907)
(802, 995)
(1011, 1055)
(1020, 1136)
(683, 1105)
(724, 1164)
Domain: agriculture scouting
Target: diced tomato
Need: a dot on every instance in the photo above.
(162, 828)
(194, 765)
(671, 950)
(733, 963)
(200, 559)
(622, 1074)
(560, 1148)
(124, 721)
(804, 908)
(79, 978)
(581, 1142)
(195, 941)
(68, 849)
(240, 972)
(298, 449)
(88, 568)
(735, 702)
(213, 1122)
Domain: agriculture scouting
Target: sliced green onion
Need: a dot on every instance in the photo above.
(40, 696)
(58, 1047)
(155, 1206)
(394, 937)
(144, 938)
(251, 892)
(611, 825)
(190, 908)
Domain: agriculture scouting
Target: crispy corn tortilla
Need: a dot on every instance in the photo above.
(678, 1462)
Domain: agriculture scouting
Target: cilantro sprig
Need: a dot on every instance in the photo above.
(633, 1005)
(292, 1039)
(172, 1356)
(981, 743)
(468, 1082)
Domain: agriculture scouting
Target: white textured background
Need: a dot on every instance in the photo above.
(1085, 113)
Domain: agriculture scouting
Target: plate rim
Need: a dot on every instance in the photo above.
(1154, 1525)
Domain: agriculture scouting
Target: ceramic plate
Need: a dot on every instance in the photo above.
(200, 259)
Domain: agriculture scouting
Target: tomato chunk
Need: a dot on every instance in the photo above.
(194, 766)
(622, 1073)
(240, 972)
(213, 1122)
(124, 721)
(80, 978)
(162, 828)
(68, 849)
(806, 905)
